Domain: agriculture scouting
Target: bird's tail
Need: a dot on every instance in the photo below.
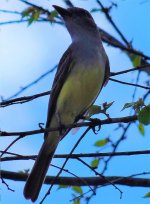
(40, 168)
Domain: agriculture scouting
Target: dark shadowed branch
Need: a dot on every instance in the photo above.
(130, 84)
(72, 181)
(83, 124)
(75, 156)
(106, 12)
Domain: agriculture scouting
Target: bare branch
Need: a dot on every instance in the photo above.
(106, 12)
(84, 124)
(10, 12)
(111, 40)
(72, 181)
(130, 70)
(8, 147)
(23, 99)
(13, 22)
(75, 156)
(130, 84)
(116, 145)
(101, 176)
(4, 182)
(32, 83)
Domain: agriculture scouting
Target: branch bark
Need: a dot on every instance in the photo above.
(84, 124)
(75, 156)
(93, 181)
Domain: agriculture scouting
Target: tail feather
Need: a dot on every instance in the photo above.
(38, 173)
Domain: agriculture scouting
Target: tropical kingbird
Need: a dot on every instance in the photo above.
(81, 74)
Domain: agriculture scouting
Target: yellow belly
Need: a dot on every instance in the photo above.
(78, 92)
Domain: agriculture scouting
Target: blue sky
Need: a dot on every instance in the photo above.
(26, 53)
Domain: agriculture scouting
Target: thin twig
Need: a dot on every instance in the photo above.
(130, 84)
(130, 70)
(23, 99)
(32, 83)
(12, 143)
(98, 174)
(115, 146)
(37, 7)
(10, 12)
(74, 156)
(4, 182)
(106, 12)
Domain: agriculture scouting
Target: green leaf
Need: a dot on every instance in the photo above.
(141, 128)
(101, 143)
(95, 163)
(147, 195)
(36, 15)
(32, 14)
(107, 105)
(136, 60)
(94, 109)
(77, 189)
(30, 20)
(137, 105)
(27, 12)
(144, 115)
(76, 201)
(127, 105)
(62, 186)
(95, 10)
(52, 15)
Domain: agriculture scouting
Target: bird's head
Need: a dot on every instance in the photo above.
(78, 20)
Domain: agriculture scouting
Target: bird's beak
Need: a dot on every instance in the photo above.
(63, 12)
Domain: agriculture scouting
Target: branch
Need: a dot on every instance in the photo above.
(111, 40)
(130, 70)
(75, 156)
(25, 99)
(93, 181)
(106, 37)
(37, 7)
(10, 12)
(13, 22)
(130, 84)
(106, 12)
(32, 83)
(84, 124)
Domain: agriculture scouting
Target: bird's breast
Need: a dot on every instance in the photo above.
(80, 90)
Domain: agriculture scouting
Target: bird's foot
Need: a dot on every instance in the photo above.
(95, 122)
(41, 126)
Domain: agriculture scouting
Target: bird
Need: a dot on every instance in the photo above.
(82, 72)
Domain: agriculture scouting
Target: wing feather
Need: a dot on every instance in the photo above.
(63, 70)
(107, 72)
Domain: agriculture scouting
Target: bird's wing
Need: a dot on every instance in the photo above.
(64, 68)
(107, 72)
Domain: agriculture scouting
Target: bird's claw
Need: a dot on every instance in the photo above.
(40, 126)
(95, 122)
